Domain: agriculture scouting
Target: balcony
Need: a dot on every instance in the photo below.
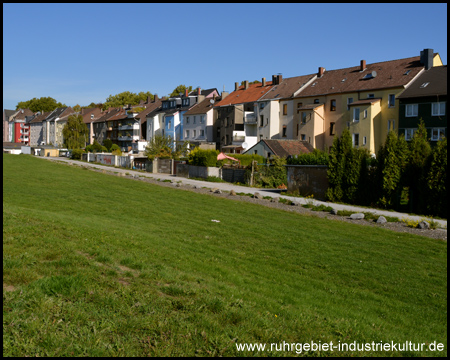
(250, 118)
(125, 138)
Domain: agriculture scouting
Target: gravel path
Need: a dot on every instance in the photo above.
(205, 187)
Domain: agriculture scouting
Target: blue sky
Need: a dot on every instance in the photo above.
(82, 53)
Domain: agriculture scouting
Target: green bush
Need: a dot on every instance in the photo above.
(317, 157)
(107, 143)
(273, 174)
(115, 149)
(200, 157)
(245, 159)
(76, 154)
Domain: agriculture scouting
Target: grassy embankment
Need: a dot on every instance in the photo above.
(105, 266)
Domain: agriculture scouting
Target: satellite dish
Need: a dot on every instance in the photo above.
(211, 101)
(244, 145)
(374, 73)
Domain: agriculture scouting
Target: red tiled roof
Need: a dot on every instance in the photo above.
(241, 96)
(388, 74)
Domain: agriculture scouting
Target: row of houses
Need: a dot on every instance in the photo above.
(368, 99)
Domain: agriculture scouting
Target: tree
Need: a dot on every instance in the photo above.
(159, 146)
(77, 108)
(437, 180)
(126, 98)
(251, 82)
(42, 104)
(75, 132)
(392, 159)
(415, 173)
(108, 143)
(180, 89)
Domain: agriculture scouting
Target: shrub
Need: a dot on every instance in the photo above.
(200, 157)
(115, 149)
(317, 157)
(273, 174)
(76, 154)
(107, 143)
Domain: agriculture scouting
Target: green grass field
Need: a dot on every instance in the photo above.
(99, 265)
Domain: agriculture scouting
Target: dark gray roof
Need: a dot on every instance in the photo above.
(431, 82)
(55, 113)
(9, 113)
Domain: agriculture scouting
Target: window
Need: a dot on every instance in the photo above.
(365, 114)
(297, 130)
(411, 110)
(284, 130)
(194, 133)
(333, 105)
(303, 118)
(370, 96)
(437, 134)
(261, 106)
(332, 128)
(355, 138)
(391, 125)
(409, 133)
(202, 119)
(202, 133)
(187, 134)
(438, 109)
(364, 140)
(355, 114)
(316, 101)
(349, 101)
(168, 124)
(284, 109)
(187, 119)
(194, 120)
(227, 139)
(391, 100)
(261, 120)
(299, 106)
(303, 137)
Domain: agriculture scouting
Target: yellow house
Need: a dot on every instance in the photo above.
(361, 98)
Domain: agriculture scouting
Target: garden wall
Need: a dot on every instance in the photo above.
(308, 180)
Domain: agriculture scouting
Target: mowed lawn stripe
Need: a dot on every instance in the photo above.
(158, 277)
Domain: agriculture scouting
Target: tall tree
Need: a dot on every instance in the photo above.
(415, 172)
(42, 104)
(75, 132)
(126, 98)
(180, 89)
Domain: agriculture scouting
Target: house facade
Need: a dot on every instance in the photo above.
(231, 112)
(36, 129)
(360, 98)
(426, 99)
(199, 122)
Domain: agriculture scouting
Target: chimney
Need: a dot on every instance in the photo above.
(155, 97)
(141, 102)
(363, 65)
(186, 92)
(82, 111)
(199, 91)
(246, 84)
(224, 94)
(263, 81)
(149, 100)
(236, 86)
(426, 58)
(321, 71)
(274, 80)
(279, 79)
